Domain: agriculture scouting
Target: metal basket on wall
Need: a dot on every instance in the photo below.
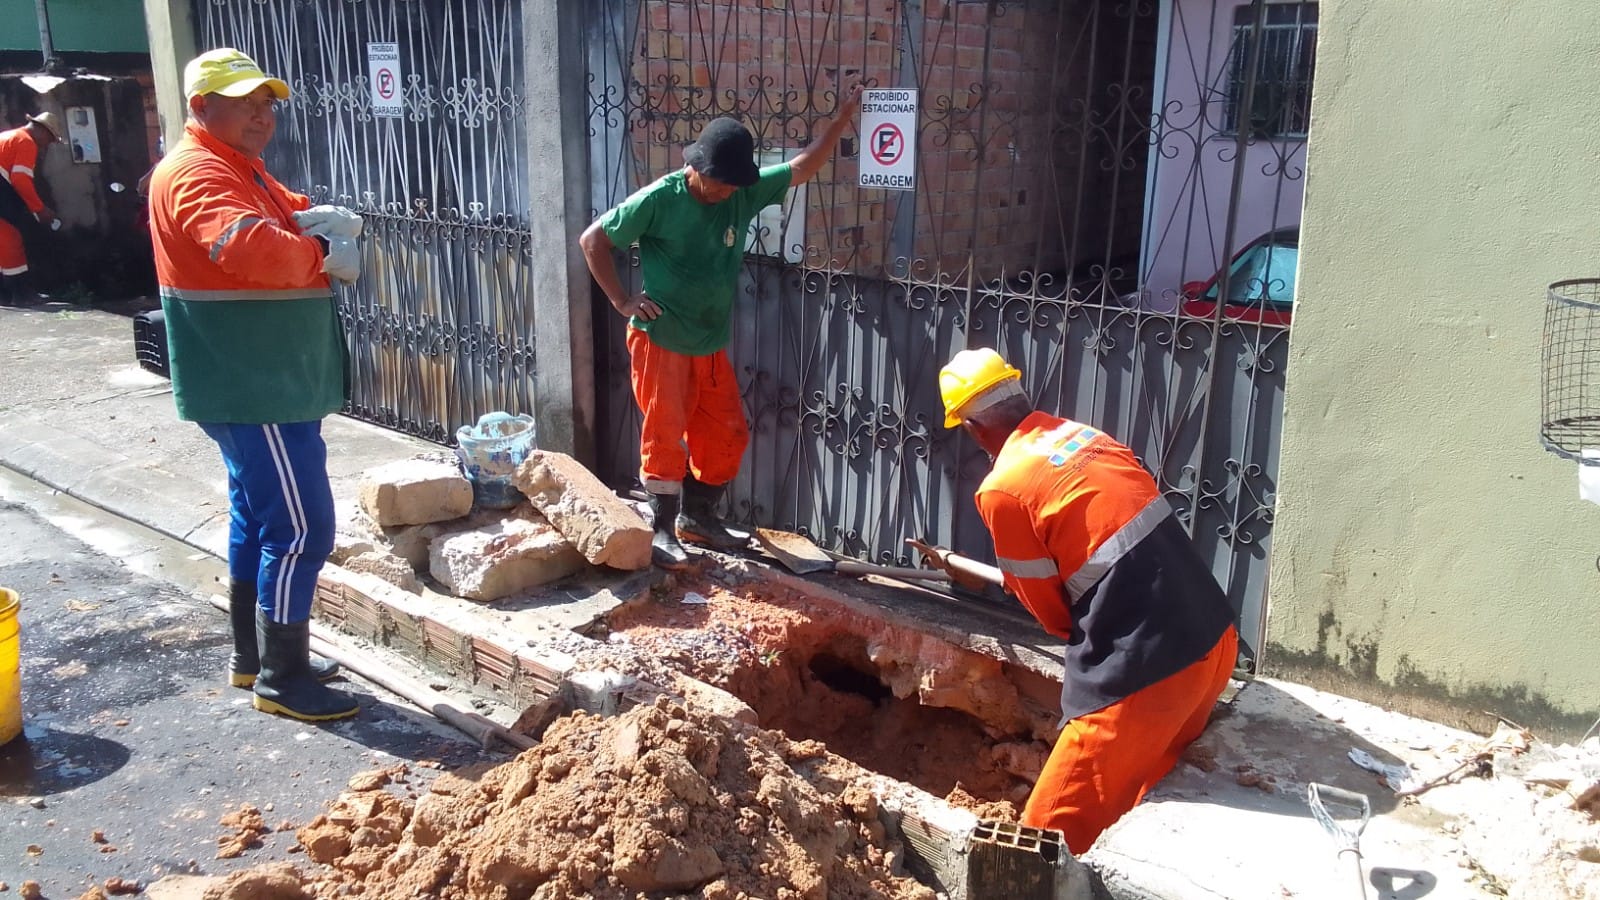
(1570, 407)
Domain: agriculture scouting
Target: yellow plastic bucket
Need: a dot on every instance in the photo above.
(10, 666)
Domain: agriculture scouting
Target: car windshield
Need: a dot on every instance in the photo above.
(1264, 272)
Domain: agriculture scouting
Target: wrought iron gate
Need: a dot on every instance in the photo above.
(440, 322)
(1085, 168)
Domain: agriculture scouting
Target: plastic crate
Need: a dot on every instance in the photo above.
(150, 342)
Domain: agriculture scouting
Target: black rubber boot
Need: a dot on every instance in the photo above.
(665, 551)
(17, 291)
(286, 685)
(245, 662)
(699, 522)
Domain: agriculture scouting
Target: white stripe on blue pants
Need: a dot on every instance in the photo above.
(281, 511)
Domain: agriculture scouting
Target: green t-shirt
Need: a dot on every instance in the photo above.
(690, 253)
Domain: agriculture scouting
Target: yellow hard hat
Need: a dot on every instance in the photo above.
(228, 72)
(969, 374)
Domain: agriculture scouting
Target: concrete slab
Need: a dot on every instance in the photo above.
(1243, 829)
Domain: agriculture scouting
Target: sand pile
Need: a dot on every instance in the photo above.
(657, 802)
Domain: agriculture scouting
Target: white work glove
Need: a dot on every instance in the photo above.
(329, 222)
(343, 260)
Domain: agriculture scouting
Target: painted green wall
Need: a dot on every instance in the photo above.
(89, 26)
(1427, 552)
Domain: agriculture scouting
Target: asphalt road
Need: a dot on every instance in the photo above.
(131, 730)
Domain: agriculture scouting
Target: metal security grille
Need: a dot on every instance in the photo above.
(1079, 191)
(440, 323)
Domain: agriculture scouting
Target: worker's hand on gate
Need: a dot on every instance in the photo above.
(329, 222)
(850, 97)
(343, 260)
(640, 305)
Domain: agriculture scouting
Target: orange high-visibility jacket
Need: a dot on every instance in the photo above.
(19, 153)
(1094, 552)
(252, 328)
(222, 224)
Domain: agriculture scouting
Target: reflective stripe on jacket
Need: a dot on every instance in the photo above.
(253, 331)
(1091, 549)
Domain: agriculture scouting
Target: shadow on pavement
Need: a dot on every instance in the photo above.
(53, 762)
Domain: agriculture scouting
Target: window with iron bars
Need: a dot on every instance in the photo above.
(1281, 104)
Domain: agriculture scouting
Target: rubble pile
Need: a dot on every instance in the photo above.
(416, 517)
(660, 801)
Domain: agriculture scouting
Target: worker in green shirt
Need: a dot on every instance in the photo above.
(690, 227)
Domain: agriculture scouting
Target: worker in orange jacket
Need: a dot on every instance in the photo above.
(1085, 540)
(20, 149)
(258, 359)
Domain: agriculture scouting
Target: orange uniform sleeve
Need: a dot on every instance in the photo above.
(209, 209)
(22, 174)
(297, 202)
(1031, 572)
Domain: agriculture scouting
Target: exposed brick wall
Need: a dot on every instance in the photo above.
(1032, 139)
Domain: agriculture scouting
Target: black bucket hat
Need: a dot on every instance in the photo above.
(725, 151)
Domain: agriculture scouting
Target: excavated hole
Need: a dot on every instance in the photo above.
(894, 700)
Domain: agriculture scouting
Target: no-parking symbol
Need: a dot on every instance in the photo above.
(889, 123)
(383, 67)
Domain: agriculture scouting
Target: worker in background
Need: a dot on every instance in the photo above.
(257, 360)
(1085, 540)
(690, 226)
(20, 206)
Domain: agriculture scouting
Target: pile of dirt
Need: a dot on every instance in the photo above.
(660, 801)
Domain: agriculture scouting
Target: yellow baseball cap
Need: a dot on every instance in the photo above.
(228, 72)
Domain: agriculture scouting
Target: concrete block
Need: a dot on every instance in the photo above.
(387, 566)
(415, 492)
(503, 558)
(413, 543)
(597, 692)
(354, 534)
(605, 529)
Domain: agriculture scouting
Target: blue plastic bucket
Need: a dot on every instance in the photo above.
(490, 453)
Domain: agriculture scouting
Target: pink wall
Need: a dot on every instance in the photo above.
(1192, 158)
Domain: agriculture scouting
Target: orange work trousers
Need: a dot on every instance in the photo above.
(693, 416)
(1106, 761)
(13, 254)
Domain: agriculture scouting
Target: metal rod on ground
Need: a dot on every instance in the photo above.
(478, 727)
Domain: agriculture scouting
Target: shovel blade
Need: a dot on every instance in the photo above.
(795, 551)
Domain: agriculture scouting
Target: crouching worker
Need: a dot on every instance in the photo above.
(1086, 542)
(257, 360)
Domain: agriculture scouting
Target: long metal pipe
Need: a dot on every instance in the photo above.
(42, 9)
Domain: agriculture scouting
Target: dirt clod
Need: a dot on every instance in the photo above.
(30, 890)
(118, 886)
(275, 881)
(1201, 756)
(248, 828)
(93, 893)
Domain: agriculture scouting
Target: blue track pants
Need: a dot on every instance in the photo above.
(281, 508)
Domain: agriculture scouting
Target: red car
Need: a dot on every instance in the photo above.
(1260, 282)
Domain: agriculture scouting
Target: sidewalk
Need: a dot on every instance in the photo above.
(78, 414)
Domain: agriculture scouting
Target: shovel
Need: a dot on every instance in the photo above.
(1328, 802)
(802, 557)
